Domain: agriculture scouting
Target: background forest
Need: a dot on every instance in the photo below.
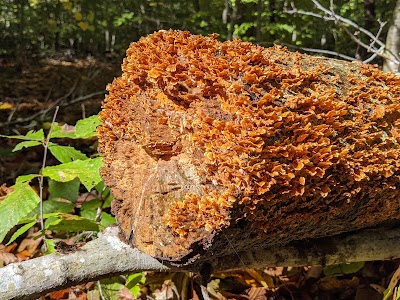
(56, 58)
(80, 28)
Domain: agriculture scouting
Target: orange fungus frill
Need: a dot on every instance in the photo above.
(272, 134)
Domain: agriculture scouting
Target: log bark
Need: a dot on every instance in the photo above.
(108, 256)
(104, 257)
(216, 148)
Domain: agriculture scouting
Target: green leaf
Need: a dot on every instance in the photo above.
(87, 171)
(86, 128)
(343, 268)
(50, 208)
(51, 247)
(26, 178)
(91, 205)
(110, 287)
(332, 270)
(65, 190)
(352, 267)
(88, 214)
(16, 206)
(132, 283)
(107, 202)
(66, 154)
(105, 194)
(63, 131)
(70, 223)
(106, 220)
(21, 231)
(26, 144)
(30, 136)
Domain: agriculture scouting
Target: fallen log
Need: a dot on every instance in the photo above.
(212, 149)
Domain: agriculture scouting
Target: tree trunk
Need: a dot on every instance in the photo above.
(260, 9)
(369, 11)
(215, 148)
(392, 63)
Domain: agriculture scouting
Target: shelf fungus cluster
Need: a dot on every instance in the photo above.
(215, 147)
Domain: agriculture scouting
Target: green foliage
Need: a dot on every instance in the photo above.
(112, 286)
(50, 246)
(21, 231)
(26, 144)
(71, 223)
(86, 170)
(98, 26)
(30, 136)
(343, 268)
(64, 190)
(64, 184)
(16, 206)
(66, 154)
(133, 283)
(83, 129)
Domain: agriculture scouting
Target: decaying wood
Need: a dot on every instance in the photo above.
(215, 148)
(107, 256)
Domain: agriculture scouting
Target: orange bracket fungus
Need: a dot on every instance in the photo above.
(215, 147)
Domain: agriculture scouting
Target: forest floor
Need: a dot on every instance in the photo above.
(28, 97)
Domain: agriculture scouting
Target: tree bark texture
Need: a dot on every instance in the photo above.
(391, 64)
(109, 256)
(104, 257)
(213, 148)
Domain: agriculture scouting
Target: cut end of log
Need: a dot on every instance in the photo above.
(212, 148)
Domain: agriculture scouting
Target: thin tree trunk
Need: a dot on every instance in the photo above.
(369, 12)
(393, 43)
(260, 9)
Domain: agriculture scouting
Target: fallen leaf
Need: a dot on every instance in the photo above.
(257, 293)
(125, 294)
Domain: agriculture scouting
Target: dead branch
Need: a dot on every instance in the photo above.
(108, 256)
(330, 15)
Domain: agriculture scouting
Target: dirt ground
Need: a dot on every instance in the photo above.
(28, 98)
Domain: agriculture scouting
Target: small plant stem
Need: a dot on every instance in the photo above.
(41, 177)
(100, 290)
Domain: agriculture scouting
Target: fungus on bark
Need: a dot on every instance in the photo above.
(211, 147)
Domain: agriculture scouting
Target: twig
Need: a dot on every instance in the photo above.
(59, 100)
(100, 290)
(41, 177)
(314, 50)
(43, 112)
(341, 21)
(84, 97)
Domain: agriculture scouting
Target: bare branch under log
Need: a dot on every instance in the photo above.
(108, 255)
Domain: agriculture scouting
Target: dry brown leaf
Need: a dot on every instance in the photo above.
(23, 255)
(394, 281)
(6, 257)
(167, 291)
(332, 284)
(125, 294)
(62, 294)
(30, 244)
(265, 280)
(10, 248)
(257, 293)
